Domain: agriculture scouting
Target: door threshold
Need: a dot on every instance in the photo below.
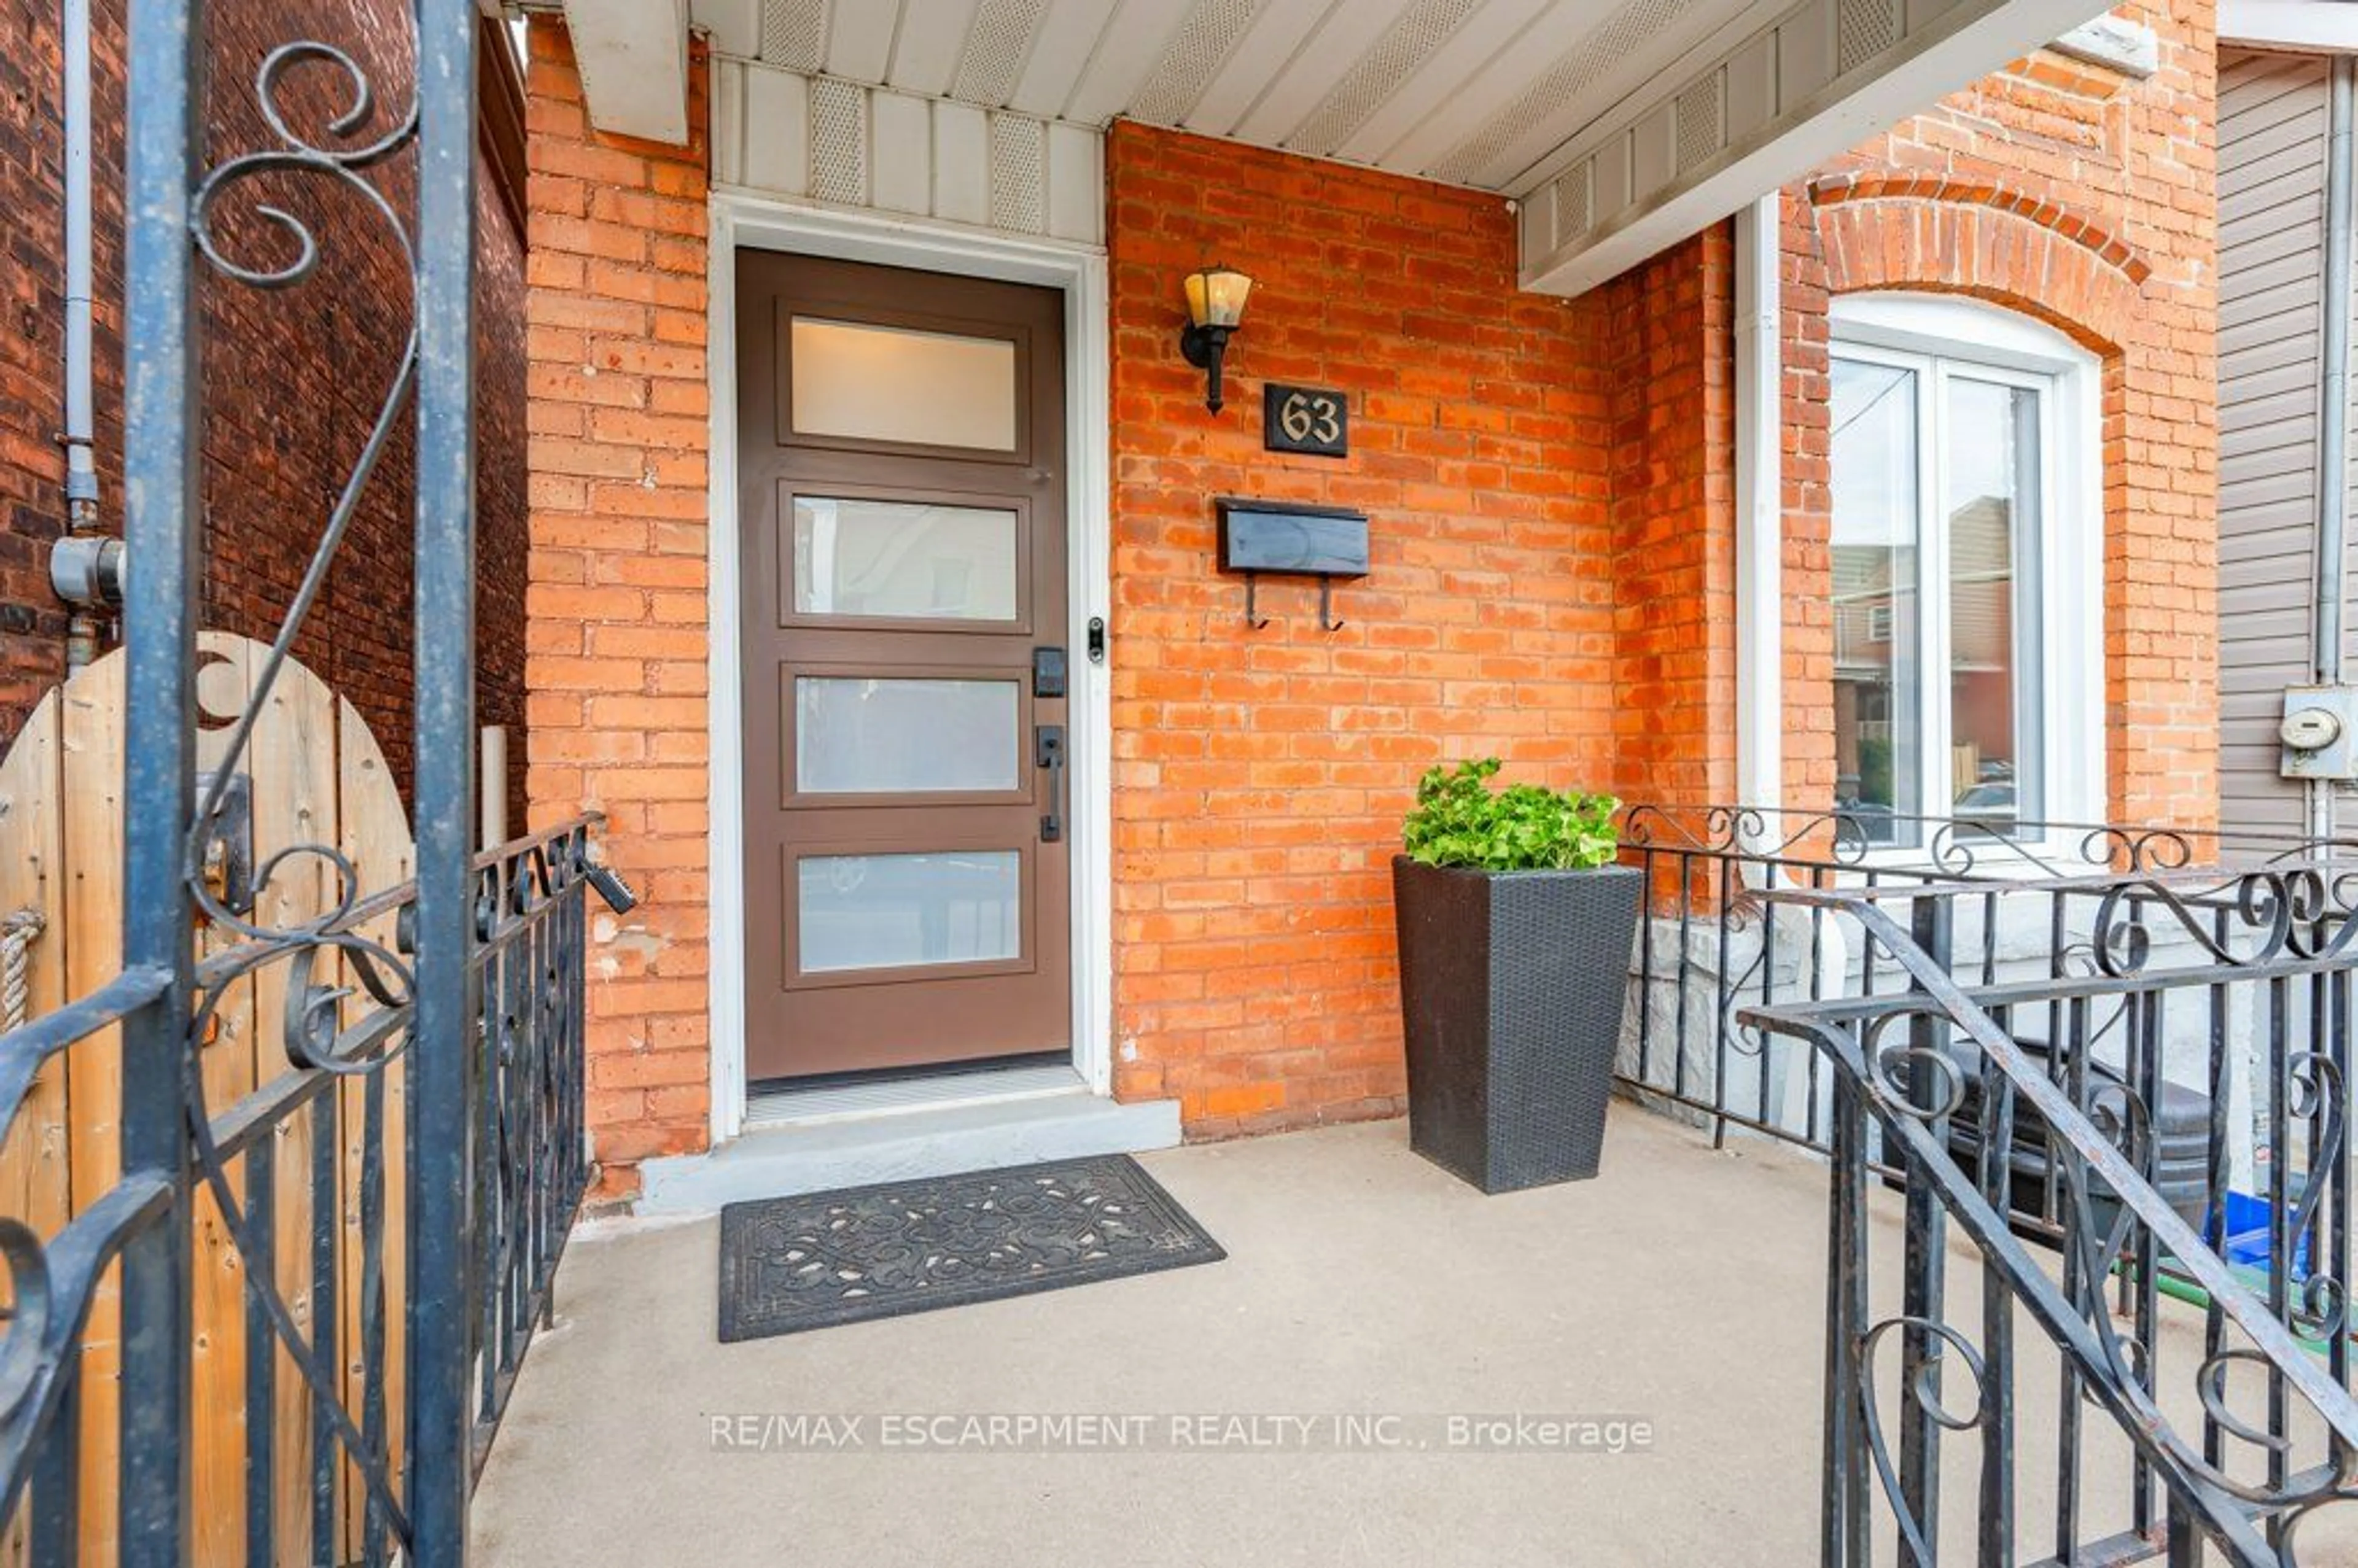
(1052, 1118)
(902, 1095)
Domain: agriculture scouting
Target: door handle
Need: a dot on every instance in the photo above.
(1048, 751)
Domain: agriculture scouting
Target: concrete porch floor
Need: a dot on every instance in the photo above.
(1685, 1287)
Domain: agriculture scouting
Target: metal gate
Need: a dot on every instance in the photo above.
(465, 984)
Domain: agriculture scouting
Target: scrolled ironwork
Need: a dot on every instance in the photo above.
(2102, 1144)
(2294, 1517)
(1745, 831)
(23, 1347)
(2137, 849)
(2265, 904)
(1898, 1067)
(2316, 1091)
(1924, 1395)
(2334, 862)
(345, 168)
(283, 60)
(201, 931)
(2210, 1386)
(309, 1030)
(1953, 847)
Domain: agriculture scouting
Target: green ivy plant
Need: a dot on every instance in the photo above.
(1460, 820)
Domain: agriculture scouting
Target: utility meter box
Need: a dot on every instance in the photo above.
(2320, 732)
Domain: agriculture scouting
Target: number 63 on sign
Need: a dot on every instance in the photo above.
(1307, 419)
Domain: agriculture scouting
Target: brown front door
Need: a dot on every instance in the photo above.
(908, 821)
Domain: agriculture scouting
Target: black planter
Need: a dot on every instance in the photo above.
(1512, 988)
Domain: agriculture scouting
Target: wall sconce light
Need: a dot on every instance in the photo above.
(1216, 305)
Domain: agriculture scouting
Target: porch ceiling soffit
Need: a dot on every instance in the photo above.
(1622, 127)
(2303, 26)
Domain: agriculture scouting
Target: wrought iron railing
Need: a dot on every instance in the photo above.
(281, 1329)
(531, 1143)
(2139, 1388)
(348, 1031)
(1715, 941)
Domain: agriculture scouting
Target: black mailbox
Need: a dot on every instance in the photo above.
(1323, 542)
(1274, 537)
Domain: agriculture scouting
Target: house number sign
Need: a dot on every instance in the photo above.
(1315, 420)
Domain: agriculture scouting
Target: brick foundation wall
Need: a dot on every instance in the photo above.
(2086, 198)
(616, 663)
(294, 377)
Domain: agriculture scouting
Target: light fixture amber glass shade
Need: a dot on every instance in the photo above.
(1215, 297)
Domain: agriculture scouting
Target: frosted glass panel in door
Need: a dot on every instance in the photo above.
(877, 736)
(903, 560)
(883, 912)
(890, 384)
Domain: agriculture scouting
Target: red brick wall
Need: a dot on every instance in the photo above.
(293, 377)
(32, 409)
(1674, 524)
(616, 665)
(1806, 565)
(1260, 776)
(2086, 198)
(1551, 488)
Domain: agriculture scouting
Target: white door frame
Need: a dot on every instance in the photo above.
(744, 219)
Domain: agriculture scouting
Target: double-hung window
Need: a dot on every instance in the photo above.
(1967, 615)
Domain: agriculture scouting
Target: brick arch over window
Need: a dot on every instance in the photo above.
(2148, 313)
(1994, 245)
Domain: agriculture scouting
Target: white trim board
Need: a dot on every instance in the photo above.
(633, 56)
(752, 221)
(1760, 506)
(2302, 26)
(1717, 130)
(852, 149)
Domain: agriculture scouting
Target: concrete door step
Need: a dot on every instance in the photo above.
(780, 1153)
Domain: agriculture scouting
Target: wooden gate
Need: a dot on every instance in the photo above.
(313, 774)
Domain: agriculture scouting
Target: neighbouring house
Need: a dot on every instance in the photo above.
(858, 390)
(2285, 313)
(288, 423)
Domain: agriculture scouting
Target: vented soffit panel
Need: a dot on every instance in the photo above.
(1621, 126)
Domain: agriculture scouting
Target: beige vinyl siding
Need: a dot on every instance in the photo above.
(2272, 141)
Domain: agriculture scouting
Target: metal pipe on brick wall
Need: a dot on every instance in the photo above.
(1760, 504)
(85, 570)
(2333, 415)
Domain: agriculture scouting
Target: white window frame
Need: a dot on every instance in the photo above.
(1941, 335)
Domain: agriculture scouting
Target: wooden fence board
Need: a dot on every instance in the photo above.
(372, 833)
(36, 1182)
(317, 777)
(91, 783)
(293, 762)
(217, 1365)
